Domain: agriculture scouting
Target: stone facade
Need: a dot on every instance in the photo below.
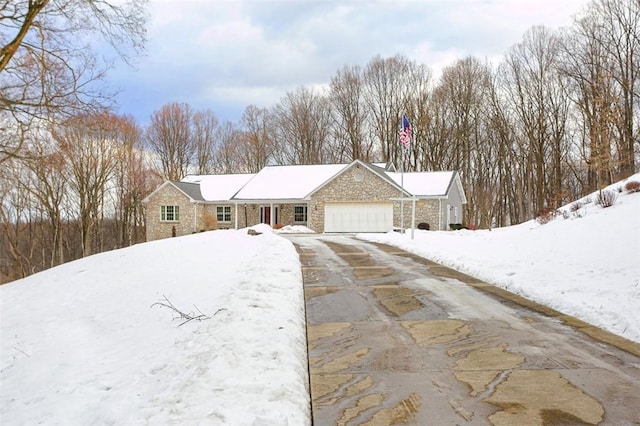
(169, 195)
(356, 184)
(359, 184)
(426, 212)
(199, 216)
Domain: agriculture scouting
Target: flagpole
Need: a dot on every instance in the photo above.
(402, 149)
(405, 141)
(402, 190)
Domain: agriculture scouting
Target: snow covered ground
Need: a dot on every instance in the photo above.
(81, 344)
(586, 265)
(88, 343)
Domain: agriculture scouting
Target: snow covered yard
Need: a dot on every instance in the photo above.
(585, 262)
(87, 343)
(82, 344)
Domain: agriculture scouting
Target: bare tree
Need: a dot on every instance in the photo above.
(205, 124)
(229, 157)
(170, 138)
(302, 121)
(133, 181)
(350, 116)
(537, 95)
(387, 96)
(17, 238)
(49, 60)
(257, 138)
(48, 185)
(88, 143)
(464, 89)
(620, 39)
(418, 107)
(591, 87)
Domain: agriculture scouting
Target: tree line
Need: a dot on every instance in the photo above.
(557, 118)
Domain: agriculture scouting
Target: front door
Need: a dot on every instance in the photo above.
(265, 215)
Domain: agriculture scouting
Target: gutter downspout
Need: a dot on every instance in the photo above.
(440, 214)
(195, 217)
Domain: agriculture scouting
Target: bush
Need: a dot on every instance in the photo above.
(210, 222)
(424, 226)
(632, 186)
(576, 206)
(546, 215)
(456, 226)
(606, 198)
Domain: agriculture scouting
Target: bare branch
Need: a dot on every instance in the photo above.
(184, 316)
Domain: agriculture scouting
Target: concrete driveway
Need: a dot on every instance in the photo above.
(395, 339)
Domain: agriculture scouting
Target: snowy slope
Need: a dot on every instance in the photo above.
(82, 344)
(586, 265)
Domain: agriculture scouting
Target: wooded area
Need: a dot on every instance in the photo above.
(557, 118)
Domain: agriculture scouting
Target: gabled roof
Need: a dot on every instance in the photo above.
(191, 190)
(284, 183)
(389, 167)
(222, 187)
(424, 184)
(287, 182)
(376, 169)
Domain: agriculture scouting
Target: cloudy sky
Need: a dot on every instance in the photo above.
(224, 55)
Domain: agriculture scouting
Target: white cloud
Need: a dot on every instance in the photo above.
(253, 51)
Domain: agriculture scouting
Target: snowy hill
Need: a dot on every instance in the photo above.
(584, 262)
(82, 344)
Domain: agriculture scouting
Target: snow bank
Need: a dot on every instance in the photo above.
(82, 343)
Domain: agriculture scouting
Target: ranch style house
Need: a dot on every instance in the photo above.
(345, 198)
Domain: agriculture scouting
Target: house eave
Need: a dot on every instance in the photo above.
(270, 200)
(420, 197)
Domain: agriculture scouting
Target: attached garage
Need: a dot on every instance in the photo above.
(358, 217)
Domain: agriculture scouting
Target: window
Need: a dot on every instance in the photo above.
(223, 213)
(300, 214)
(169, 213)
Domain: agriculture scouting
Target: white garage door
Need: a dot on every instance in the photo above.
(358, 217)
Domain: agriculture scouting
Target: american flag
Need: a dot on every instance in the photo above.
(405, 132)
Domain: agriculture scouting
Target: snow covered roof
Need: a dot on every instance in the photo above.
(425, 184)
(192, 178)
(222, 187)
(288, 182)
(301, 181)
